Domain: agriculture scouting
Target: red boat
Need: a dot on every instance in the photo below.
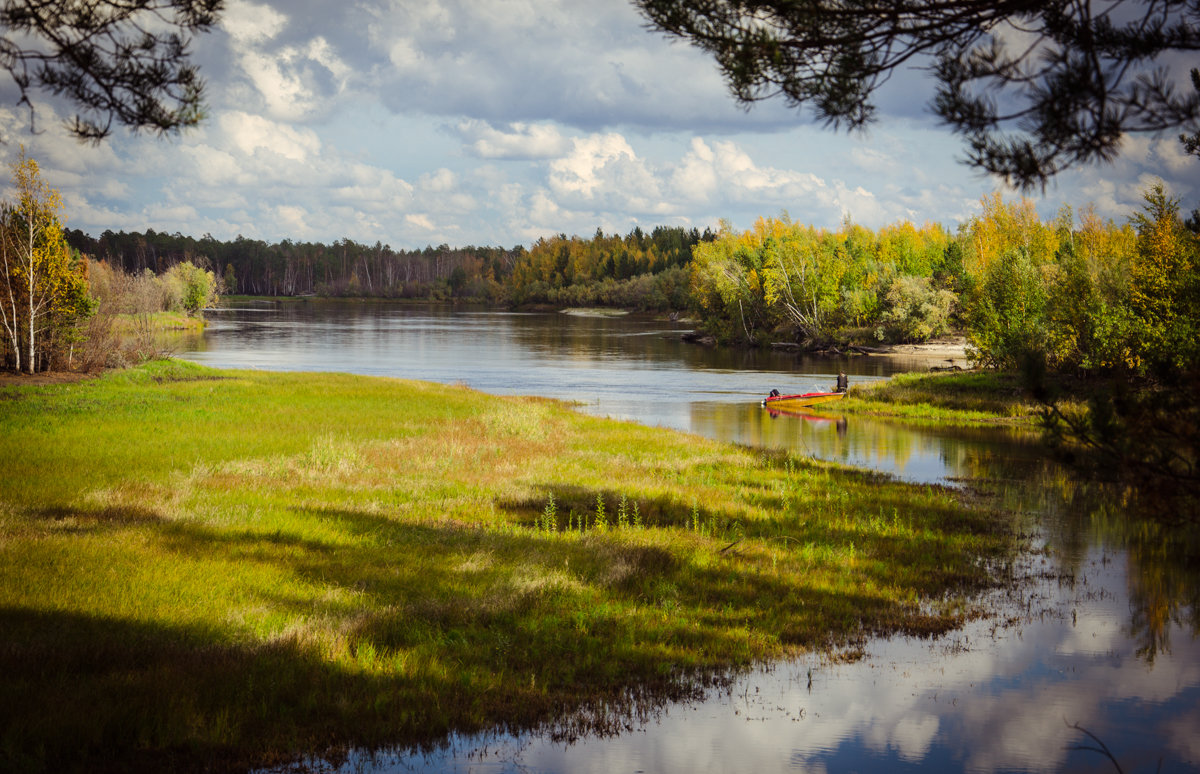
(800, 401)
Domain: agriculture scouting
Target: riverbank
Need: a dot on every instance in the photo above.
(157, 322)
(224, 569)
(966, 398)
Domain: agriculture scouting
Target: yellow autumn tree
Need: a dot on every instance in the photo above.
(1003, 227)
(727, 282)
(43, 287)
(1164, 282)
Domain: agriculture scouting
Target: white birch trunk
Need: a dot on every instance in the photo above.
(30, 284)
(11, 326)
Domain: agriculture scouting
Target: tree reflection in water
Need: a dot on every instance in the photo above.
(1067, 515)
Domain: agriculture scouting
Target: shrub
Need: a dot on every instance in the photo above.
(914, 310)
(193, 287)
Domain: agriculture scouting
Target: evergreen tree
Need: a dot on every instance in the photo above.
(1033, 88)
(119, 62)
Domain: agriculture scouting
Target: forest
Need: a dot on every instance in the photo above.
(606, 269)
(1085, 294)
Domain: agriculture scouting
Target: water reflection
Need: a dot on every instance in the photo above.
(924, 455)
(989, 698)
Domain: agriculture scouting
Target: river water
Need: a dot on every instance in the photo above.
(1101, 633)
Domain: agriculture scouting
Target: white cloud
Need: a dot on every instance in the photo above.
(405, 55)
(601, 164)
(319, 51)
(696, 177)
(215, 168)
(283, 87)
(438, 181)
(520, 141)
(1171, 154)
(296, 218)
(420, 220)
(252, 133)
(292, 82)
(553, 125)
(528, 61)
(251, 23)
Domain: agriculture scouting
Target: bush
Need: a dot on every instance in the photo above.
(192, 288)
(914, 311)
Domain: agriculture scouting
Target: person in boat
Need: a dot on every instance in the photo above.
(843, 384)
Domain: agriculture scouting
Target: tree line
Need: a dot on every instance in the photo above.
(1089, 294)
(1090, 311)
(343, 268)
(1086, 295)
(607, 269)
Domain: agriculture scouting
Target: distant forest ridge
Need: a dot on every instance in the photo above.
(348, 268)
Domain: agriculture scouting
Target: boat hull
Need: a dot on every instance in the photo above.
(786, 402)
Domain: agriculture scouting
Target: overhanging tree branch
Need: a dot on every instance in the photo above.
(119, 62)
(1033, 86)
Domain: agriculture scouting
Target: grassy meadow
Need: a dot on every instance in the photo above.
(223, 569)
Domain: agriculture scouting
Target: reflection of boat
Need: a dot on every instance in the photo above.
(800, 401)
(799, 413)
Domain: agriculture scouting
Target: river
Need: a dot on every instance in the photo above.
(1100, 633)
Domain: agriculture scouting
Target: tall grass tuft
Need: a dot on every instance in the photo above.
(550, 516)
(601, 522)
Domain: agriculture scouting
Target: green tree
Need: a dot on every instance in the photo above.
(43, 291)
(196, 287)
(1006, 321)
(803, 272)
(1140, 327)
(727, 285)
(1163, 293)
(915, 310)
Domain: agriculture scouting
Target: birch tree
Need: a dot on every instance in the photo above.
(40, 288)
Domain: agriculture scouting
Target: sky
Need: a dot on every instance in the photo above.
(472, 122)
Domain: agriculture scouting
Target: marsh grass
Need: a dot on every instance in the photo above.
(222, 569)
(967, 398)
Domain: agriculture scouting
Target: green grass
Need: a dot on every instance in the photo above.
(157, 322)
(220, 569)
(956, 398)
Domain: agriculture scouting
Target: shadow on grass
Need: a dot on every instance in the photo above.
(398, 633)
(93, 694)
(67, 518)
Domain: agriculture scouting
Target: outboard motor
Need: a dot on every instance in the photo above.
(843, 383)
